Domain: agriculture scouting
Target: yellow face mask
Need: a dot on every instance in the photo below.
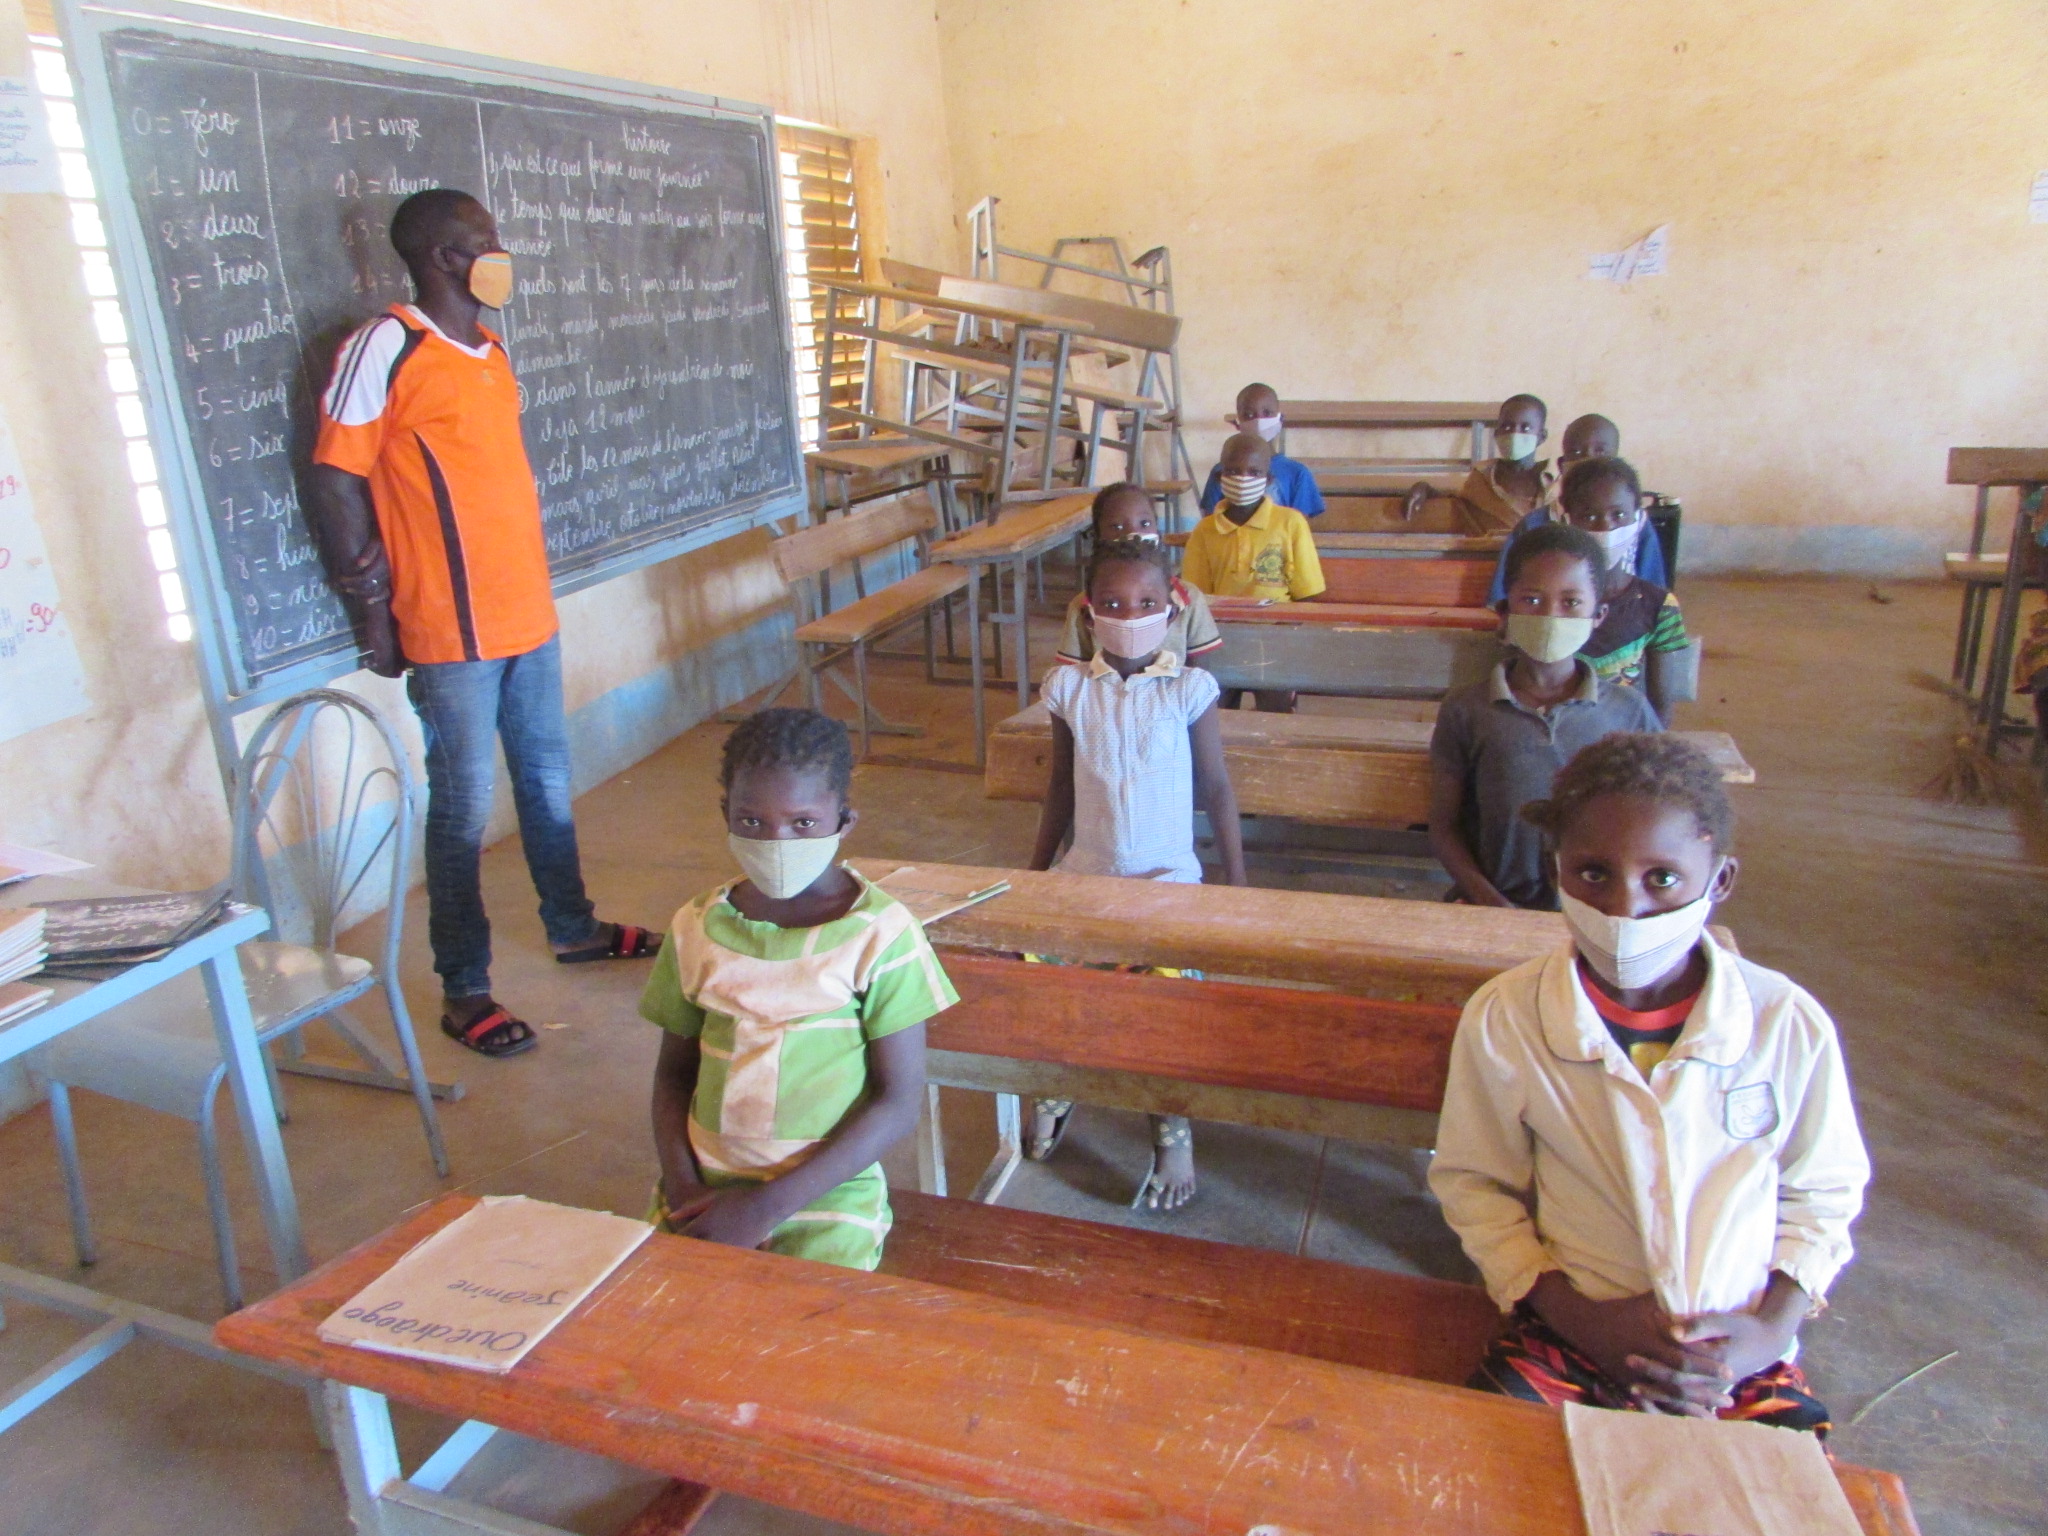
(490, 279)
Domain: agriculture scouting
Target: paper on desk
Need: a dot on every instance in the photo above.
(485, 1289)
(928, 904)
(19, 863)
(18, 999)
(1646, 1474)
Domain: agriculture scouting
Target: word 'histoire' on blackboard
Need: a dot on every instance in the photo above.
(252, 166)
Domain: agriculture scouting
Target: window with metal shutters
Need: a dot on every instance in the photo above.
(821, 240)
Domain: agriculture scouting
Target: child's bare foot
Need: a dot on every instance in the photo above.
(1171, 1184)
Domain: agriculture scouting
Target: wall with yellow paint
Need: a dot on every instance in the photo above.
(1397, 201)
(132, 784)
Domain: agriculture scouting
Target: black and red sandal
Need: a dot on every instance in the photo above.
(494, 1032)
(626, 943)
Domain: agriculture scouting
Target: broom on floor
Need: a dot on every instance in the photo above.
(1973, 773)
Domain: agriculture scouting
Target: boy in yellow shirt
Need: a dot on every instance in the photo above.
(1251, 546)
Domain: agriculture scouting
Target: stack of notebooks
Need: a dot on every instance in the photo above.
(101, 936)
(22, 952)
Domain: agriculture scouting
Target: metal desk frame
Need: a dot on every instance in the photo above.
(123, 1322)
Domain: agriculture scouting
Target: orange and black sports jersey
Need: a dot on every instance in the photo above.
(434, 427)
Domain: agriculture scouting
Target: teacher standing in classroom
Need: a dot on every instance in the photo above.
(429, 518)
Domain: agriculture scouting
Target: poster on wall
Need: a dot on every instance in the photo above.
(40, 678)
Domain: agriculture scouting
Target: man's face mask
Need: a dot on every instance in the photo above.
(490, 279)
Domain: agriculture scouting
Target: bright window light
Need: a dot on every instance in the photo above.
(90, 232)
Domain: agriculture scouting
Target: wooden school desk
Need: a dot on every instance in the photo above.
(913, 1409)
(1322, 768)
(120, 1322)
(1013, 538)
(2026, 471)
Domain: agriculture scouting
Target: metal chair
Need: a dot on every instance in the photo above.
(324, 801)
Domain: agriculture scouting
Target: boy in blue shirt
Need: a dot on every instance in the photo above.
(1291, 483)
(1590, 437)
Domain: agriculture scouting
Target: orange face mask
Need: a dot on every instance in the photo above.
(490, 279)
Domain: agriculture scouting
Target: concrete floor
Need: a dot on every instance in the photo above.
(1919, 925)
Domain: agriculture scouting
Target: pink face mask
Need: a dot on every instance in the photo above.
(1131, 638)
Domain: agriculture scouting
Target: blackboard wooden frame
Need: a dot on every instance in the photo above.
(228, 685)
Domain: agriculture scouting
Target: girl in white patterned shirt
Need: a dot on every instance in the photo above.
(1136, 744)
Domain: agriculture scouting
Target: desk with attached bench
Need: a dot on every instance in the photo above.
(913, 1409)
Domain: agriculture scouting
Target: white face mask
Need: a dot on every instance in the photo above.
(1131, 638)
(1268, 427)
(1548, 637)
(1133, 538)
(782, 867)
(1515, 445)
(1619, 544)
(1244, 490)
(1631, 952)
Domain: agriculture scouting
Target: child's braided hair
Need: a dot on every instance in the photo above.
(1647, 766)
(1129, 552)
(802, 739)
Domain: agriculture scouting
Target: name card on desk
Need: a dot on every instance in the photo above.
(485, 1289)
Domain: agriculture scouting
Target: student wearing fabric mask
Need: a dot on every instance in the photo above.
(1293, 485)
(1136, 748)
(1124, 511)
(429, 521)
(794, 1001)
(1251, 546)
(1499, 744)
(1588, 437)
(1648, 1145)
(1514, 482)
(1643, 631)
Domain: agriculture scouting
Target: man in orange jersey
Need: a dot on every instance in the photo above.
(429, 517)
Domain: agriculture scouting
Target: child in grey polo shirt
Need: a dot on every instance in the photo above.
(1500, 743)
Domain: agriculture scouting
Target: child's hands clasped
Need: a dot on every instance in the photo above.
(739, 1217)
(1637, 1344)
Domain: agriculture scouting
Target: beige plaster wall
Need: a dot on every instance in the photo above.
(132, 784)
(1384, 200)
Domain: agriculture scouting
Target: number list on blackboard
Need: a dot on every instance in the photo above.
(647, 327)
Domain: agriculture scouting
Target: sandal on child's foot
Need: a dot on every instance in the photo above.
(1170, 1183)
(1049, 1121)
(615, 941)
(494, 1032)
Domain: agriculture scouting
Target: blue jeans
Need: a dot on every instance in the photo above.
(464, 708)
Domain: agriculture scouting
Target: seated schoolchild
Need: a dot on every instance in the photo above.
(1644, 628)
(1588, 437)
(1514, 482)
(1258, 412)
(1499, 744)
(1253, 546)
(1648, 1145)
(794, 1001)
(1124, 512)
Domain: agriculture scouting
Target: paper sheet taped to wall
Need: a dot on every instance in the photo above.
(28, 160)
(40, 678)
(1643, 259)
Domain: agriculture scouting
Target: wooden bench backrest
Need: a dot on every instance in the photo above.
(1445, 583)
(1150, 330)
(875, 526)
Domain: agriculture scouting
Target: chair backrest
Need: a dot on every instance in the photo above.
(325, 815)
(1149, 330)
(875, 526)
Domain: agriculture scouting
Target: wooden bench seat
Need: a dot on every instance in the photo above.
(1319, 768)
(1404, 1325)
(882, 611)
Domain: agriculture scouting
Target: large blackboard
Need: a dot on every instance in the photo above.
(649, 329)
